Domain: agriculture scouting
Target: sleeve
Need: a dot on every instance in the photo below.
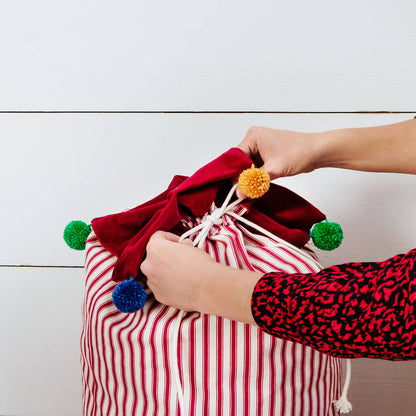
(351, 310)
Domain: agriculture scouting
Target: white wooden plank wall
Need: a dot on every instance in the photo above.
(103, 102)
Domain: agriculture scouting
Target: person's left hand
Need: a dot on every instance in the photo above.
(177, 272)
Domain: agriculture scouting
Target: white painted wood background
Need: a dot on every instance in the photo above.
(103, 102)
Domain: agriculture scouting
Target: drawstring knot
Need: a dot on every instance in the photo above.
(214, 218)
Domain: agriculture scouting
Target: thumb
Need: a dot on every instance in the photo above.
(166, 236)
(240, 195)
(186, 241)
(271, 171)
(238, 191)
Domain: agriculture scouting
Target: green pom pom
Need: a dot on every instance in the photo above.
(327, 235)
(76, 234)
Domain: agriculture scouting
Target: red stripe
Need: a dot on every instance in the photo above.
(126, 320)
(318, 384)
(219, 365)
(283, 372)
(273, 389)
(326, 385)
(286, 250)
(94, 333)
(89, 378)
(282, 260)
(238, 248)
(333, 382)
(94, 330)
(104, 378)
(206, 356)
(144, 372)
(89, 245)
(302, 381)
(94, 268)
(272, 266)
(311, 379)
(205, 360)
(180, 362)
(219, 345)
(132, 367)
(89, 342)
(167, 369)
(89, 337)
(299, 259)
(233, 366)
(246, 374)
(93, 256)
(153, 363)
(100, 322)
(293, 380)
(96, 293)
(92, 291)
(231, 244)
(225, 254)
(260, 364)
(192, 378)
(112, 327)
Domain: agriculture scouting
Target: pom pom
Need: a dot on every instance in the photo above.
(129, 296)
(76, 234)
(254, 182)
(327, 235)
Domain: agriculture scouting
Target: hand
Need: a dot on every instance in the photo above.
(280, 152)
(389, 148)
(187, 278)
(176, 272)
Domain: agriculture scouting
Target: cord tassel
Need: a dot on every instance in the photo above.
(343, 405)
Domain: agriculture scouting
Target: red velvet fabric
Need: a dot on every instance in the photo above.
(127, 233)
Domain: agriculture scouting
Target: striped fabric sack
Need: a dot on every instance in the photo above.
(163, 361)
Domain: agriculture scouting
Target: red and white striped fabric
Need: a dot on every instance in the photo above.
(162, 361)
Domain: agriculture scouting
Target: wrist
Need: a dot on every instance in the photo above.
(329, 148)
(227, 292)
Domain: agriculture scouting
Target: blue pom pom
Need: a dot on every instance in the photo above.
(129, 296)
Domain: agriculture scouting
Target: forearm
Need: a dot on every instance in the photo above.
(227, 292)
(351, 310)
(388, 148)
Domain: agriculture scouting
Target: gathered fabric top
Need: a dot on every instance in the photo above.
(126, 234)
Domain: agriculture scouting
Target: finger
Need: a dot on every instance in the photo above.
(238, 192)
(166, 236)
(186, 241)
(240, 195)
(249, 146)
(244, 146)
(270, 171)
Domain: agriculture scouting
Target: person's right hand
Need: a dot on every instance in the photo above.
(280, 152)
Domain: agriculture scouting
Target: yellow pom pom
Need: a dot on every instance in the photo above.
(254, 182)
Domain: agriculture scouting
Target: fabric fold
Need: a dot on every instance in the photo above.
(127, 233)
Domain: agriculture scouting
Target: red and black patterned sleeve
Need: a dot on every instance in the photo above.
(350, 310)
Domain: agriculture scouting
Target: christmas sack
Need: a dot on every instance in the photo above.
(158, 360)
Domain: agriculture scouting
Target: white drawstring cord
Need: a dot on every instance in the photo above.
(272, 236)
(342, 404)
(209, 220)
